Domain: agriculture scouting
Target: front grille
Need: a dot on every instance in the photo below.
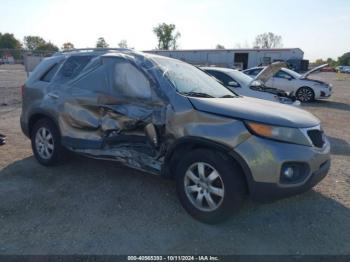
(317, 137)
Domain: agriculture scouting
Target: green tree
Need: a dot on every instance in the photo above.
(48, 46)
(123, 44)
(33, 42)
(344, 59)
(331, 62)
(218, 46)
(268, 40)
(320, 61)
(67, 46)
(167, 37)
(8, 41)
(101, 43)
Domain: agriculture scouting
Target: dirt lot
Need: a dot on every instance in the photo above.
(95, 207)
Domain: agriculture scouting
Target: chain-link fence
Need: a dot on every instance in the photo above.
(28, 58)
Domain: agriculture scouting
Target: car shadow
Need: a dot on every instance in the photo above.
(328, 104)
(98, 207)
(339, 146)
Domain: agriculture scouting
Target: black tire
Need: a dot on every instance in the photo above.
(230, 176)
(57, 152)
(305, 94)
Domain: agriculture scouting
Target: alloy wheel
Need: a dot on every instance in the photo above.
(305, 95)
(44, 143)
(204, 186)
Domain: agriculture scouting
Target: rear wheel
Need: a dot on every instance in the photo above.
(46, 142)
(210, 186)
(305, 94)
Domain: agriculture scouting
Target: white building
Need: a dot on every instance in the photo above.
(235, 58)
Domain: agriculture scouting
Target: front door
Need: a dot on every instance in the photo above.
(284, 81)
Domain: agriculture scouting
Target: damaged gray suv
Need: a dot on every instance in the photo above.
(166, 117)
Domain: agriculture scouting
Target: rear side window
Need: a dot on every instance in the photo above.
(47, 77)
(72, 68)
(281, 74)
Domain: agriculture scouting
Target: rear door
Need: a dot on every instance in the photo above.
(76, 103)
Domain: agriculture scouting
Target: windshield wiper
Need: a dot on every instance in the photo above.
(197, 94)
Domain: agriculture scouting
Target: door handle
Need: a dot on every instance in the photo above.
(53, 95)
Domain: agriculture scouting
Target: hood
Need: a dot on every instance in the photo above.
(305, 75)
(269, 71)
(248, 108)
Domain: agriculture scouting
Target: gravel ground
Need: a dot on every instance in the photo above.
(95, 207)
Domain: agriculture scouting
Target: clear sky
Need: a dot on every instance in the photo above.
(321, 28)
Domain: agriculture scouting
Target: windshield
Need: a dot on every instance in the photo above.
(189, 80)
(292, 73)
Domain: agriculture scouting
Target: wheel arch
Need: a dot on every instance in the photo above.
(184, 144)
(38, 115)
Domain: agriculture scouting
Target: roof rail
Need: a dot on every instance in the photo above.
(91, 49)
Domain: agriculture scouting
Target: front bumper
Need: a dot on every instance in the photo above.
(271, 191)
(326, 93)
(265, 158)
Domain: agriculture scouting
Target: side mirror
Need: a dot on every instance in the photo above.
(233, 84)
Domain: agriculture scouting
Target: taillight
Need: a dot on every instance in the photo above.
(22, 90)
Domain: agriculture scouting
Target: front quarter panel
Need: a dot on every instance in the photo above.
(225, 131)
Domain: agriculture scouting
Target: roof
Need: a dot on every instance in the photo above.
(83, 51)
(227, 50)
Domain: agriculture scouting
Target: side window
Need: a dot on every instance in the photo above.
(225, 79)
(248, 72)
(130, 81)
(50, 73)
(214, 74)
(72, 67)
(255, 72)
(281, 74)
(95, 80)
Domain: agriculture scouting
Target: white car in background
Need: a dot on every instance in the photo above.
(244, 85)
(300, 85)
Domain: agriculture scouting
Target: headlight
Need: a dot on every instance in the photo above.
(285, 134)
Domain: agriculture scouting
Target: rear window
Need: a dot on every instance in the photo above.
(72, 68)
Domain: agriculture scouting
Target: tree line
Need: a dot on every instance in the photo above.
(37, 43)
(343, 60)
(167, 38)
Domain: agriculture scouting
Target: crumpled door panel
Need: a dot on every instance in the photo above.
(99, 121)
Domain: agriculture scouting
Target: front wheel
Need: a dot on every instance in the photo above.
(305, 94)
(210, 186)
